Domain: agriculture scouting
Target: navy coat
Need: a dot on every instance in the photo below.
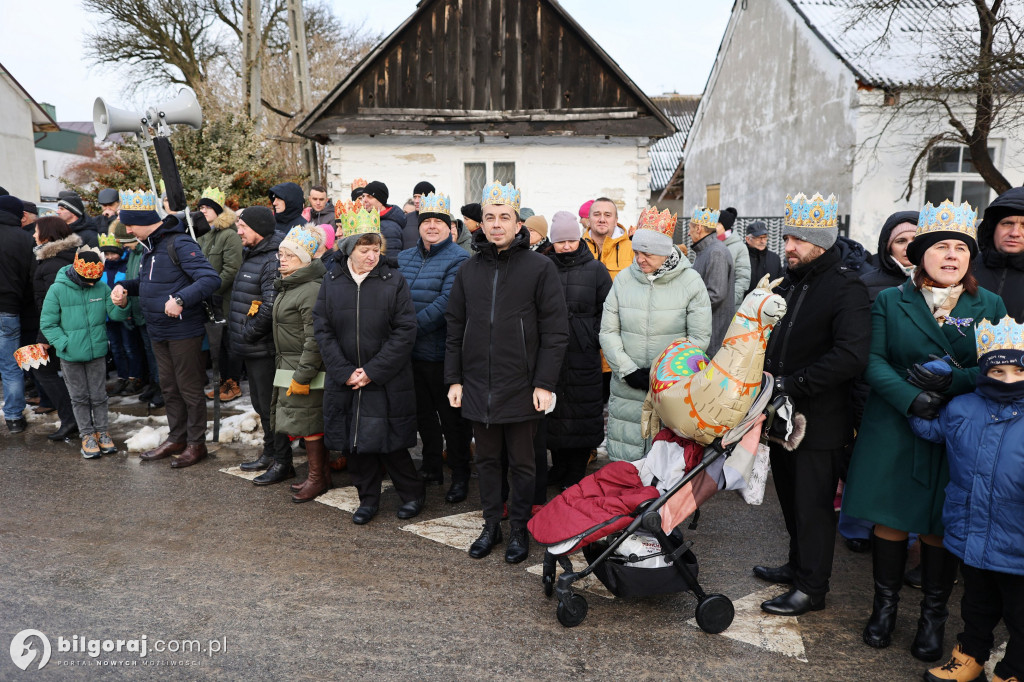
(430, 275)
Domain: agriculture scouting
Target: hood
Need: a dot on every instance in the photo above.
(67, 277)
(852, 254)
(170, 225)
(1010, 202)
(292, 196)
(618, 233)
(51, 249)
(226, 219)
(488, 250)
(10, 219)
(883, 260)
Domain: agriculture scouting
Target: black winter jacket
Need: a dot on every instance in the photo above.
(507, 331)
(821, 345)
(86, 229)
(411, 231)
(291, 216)
(578, 418)
(392, 227)
(371, 325)
(17, 265)
(763, 263)
(1002, 273)
(252, 335)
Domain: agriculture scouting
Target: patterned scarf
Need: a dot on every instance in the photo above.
(941, 300)
(670, 262)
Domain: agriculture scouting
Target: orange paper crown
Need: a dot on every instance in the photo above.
(88, 270)
(357, 183)
(343, 207)
(664, 222)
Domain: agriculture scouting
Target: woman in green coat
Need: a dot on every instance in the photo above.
(896, 479)
(296, 407)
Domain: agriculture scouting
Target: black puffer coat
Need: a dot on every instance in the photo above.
(17, 267)
(252, 336)
(50, 258)
(86, 229)
(370, 325)
(392, 228)
(1002, 273)
(578, 418)
(507, 331)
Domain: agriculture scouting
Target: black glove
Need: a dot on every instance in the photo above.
(927, 380)
(639, 379)
(926, 405)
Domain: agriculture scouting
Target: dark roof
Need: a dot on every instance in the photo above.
(504, 67)
(667, 152)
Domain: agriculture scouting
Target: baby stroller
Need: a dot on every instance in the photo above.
(662, 563)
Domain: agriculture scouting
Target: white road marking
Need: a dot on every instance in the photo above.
(346, 498)
(458, 531)
(249, 475)
(778, 634)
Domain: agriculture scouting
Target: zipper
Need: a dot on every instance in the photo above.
(785, 339)
(490, 342)
(526, 353)
(359, 361)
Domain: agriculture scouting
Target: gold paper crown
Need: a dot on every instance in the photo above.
(360, 222)
(705, 217)
(817, 212)
(140, 200)
(435, 203)
(664, 222)
(947, 217)
(85, 268)
(357, 183)
(1007, 335)
(214, 194)
(498, 194)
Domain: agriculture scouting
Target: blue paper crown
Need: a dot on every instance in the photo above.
(140, 200)
(1007, 335)
(306, 240)
(817, 212)
(501, 195)
(435, 203)
(948, 217)
(705, 217)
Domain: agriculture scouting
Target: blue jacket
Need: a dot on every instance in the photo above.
(194, 279)
(430, 275)
(984, 508)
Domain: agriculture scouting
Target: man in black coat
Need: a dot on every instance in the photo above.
(71, 209)
(287, 201)
(17, 265)
(815, 353)
(763, 261)
(507, 334)
(392, 220)
(999, 266)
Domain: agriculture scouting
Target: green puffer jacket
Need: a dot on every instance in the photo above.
(298, 415)
(135, 316)
(223, 248)
(74, 318)
(641, 318)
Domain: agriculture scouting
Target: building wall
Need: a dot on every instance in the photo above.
(776, 117)
(17, 152)
(554, 174)
(55, 164)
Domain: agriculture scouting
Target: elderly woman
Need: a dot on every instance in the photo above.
(297, 407)
(653, 302)
(896, 479)
(366, 329)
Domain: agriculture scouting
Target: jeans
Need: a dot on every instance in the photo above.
(87, 384)
(11, 375)
(154, 371)
(126, 349)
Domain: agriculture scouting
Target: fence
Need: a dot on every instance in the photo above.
(774, 224)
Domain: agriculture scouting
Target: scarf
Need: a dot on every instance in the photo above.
(670, 262)
(1000, 391)
(941, 300)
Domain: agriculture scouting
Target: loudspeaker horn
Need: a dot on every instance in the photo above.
(183, 109)
(108, 120)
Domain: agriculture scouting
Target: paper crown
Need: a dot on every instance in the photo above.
(817, 211)
(305, 239)
(88, 269)
(360, 222)
(357, 183)
(498, 194)
(705, 217)
(343, 207)
(435, 203)
(1007, 335)
(140, 200)
(664, 222)
(32, 356)
(214, 194)
(947, 217)
(108, 240)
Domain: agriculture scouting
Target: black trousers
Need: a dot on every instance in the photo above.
(573, 464)
(540, 457)
(230, 363)
(56, 390)
(182, 376)
(988, 597)
(517, 440)
(367, 471)
(806, 481)
(261, 390)
(438, 422)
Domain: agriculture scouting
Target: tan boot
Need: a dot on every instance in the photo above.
(229, 390)
(319, 480)
(960, 667)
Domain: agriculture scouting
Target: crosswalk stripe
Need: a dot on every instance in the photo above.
(778, 634)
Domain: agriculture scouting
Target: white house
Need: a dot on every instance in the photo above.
(20, 118)
(800, 100)
(462, 96)
(56, 152)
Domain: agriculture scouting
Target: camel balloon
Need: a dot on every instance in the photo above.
(700, 399)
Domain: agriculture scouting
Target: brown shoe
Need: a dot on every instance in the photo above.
(229, 390)
(193, 453)
(319, 480)
(339, 464)
(44, 410)
(165, 449)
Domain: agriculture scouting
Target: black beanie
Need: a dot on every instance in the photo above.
(73, 203)
(12, 205)
(422, 187)
(260, 219)
(473, 212)
(378, 190)
(727, 217)
(206, 201)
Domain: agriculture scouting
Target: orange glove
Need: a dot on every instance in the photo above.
(253, 308)
(297, 388)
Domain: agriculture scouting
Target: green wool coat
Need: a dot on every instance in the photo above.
(298, 415)
(223, 248)
(74, 318)
(895, 478)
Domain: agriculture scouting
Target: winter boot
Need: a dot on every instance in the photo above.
(319, 480)
(489, 537)
(938, 572)
(90, 448)
(959, 667)
(888, 558)
(229, 390)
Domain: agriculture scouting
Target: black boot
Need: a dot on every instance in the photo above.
(148, 393)
(518, 546)
(938, 572)
(888, 557)
(278, 471)
(490, 536)
(158, 399)
(261, 464)
(67, 429)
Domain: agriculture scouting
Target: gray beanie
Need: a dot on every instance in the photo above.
(652, 242)
(812, 220)
(564, 227)
(824, 237)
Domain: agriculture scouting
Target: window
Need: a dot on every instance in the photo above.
(713, 196)
(951, 175)
(476, 178)
(46, 170)
(505, 172)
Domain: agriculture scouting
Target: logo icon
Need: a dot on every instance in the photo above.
(23, 653)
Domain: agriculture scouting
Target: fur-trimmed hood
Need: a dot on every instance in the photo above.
(51, 249)
(227, 218)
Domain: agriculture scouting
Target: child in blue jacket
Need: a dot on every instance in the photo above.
(984, 508)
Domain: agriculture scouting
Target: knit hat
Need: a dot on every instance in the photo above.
(654, 232)
(88, 263)
(73, 203)
(901, 228)
(564, 227)
(107, 196)
(260, 220)
(942, 222)
(120, 232)
(585, 208)
(422, 187)
(12, 205)
(213, 197)
(434, 205)
(30, 207)
(525, 213)
(537, 223)
(302, 242)
(327, 238)
(358, 187)
(378, 190)
(727, 217)
(757, 229)
(811, 220)
(473, 212)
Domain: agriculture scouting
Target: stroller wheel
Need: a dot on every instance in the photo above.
(715, 613)
(572, 614)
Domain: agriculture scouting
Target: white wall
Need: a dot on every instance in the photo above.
(17, 149)
(56, 166)
(554, 174)
(775, 118)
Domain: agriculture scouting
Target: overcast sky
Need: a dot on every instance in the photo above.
(663, 45)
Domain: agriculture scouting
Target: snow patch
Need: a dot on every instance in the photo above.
(147, 438)
(238, 428)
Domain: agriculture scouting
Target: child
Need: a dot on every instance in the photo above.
(74, 321)
(984, 508)
(123, 339)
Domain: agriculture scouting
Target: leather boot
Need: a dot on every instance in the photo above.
(261, 464)
(938, 572)
(278, 471)
(66, 431)
(483, 545)
(319, 481)
(194, 452)
(165, 449)
(518, 546)
(888, 557)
